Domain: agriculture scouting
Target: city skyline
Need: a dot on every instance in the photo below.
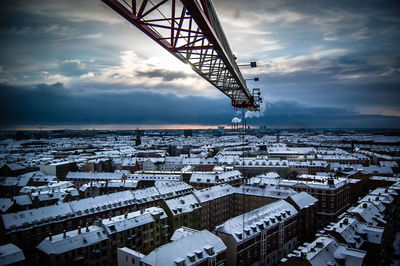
(320, 65)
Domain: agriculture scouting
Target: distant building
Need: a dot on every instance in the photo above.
(13, 169)
(81, 178)
(204, 180)
(188, 133)
(98, 165)
(60, 170)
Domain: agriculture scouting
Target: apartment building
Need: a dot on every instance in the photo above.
(183, 211)
(204, 180)
(97, 244)
(194, 248)
(263, 235)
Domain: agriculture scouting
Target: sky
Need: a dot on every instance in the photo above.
(321, 64)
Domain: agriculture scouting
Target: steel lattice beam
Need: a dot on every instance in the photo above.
(190, 30)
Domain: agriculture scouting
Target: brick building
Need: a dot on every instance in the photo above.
(263, 235)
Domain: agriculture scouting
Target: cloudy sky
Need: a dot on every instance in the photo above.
(321, 64)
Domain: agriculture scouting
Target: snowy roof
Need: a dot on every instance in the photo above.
(314, 181)
(257, 220)
(182, 232)
(385, 178)
(94, 175)
(43, 178)
(388, 164)
(15, 166)
(10, 181)
(356, 233)
(5, 204)
(132, 220)
(377, 200)
(132, 252)
(72, 240)
(189, 250)
(376, 169)
(387, 192)
(268, 191)
(303, 199)
(369, 212)
(102, 203)
(325, 250)
(155, 177)
(23, 200)
(214, 192)
(146, 194)
(183, 204)
(32, 217)
(170, 189)
(252, 162)
(216, 178)
(10, 253)
(122, 183)
(199, 160)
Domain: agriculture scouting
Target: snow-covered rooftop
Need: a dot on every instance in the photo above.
(303, 200)
(190, 250)
(257, 220)
(326, 250)
(10, 254)
(184, 204)
(133, 219)
(73, 240)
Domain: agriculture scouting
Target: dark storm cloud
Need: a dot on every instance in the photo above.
(294, 114)
(53, 104)
(166, 75)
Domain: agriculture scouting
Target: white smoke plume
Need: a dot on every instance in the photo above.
(236, 120)
(257, 114)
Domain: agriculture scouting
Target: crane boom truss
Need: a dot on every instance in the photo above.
(190, 30)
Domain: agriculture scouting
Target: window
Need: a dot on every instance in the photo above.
(133, 261)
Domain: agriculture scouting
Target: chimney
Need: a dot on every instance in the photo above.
(50, 237)
(87, 227)
(126, 215)
(64, 234)
(79, 230)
